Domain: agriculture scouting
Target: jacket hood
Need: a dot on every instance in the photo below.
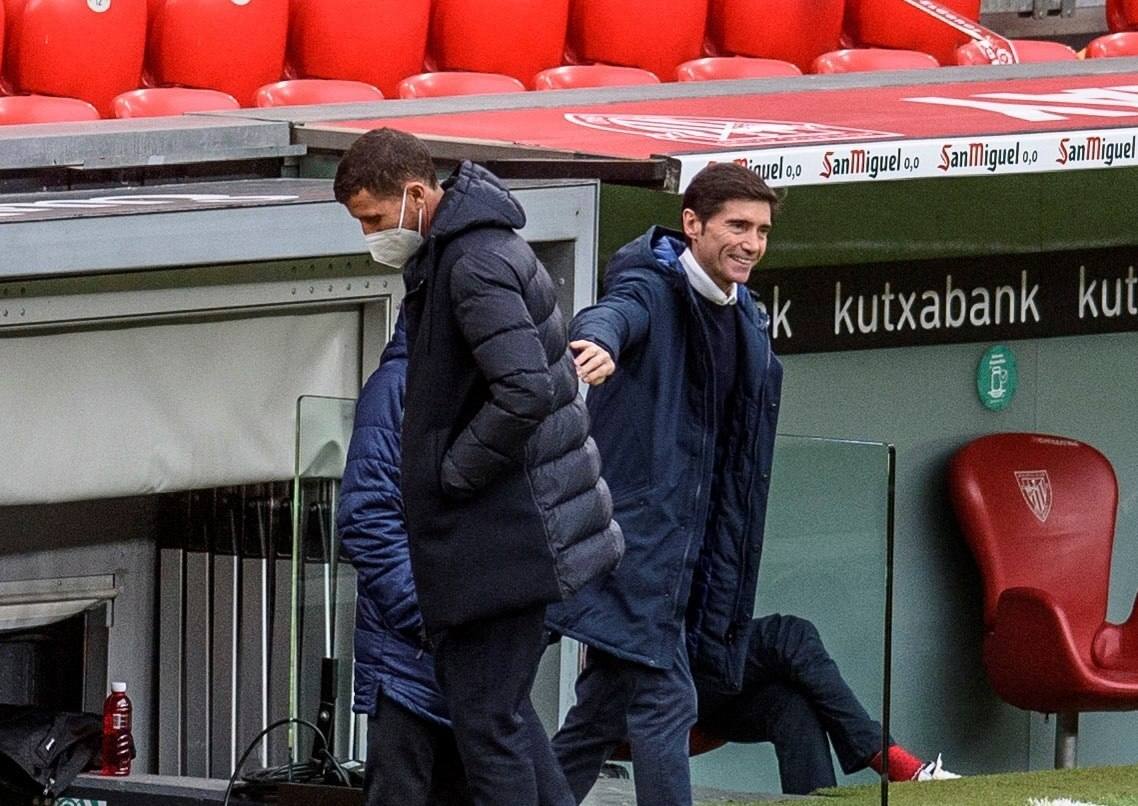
(658, 249)
(475, 198)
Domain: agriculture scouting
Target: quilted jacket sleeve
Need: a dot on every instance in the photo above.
(490, 307)
(372, 530)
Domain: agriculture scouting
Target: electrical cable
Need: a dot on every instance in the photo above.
(306, 770)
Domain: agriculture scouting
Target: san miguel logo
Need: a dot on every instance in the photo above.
(863, 162)
(978, 155)
(724, 133)
(1095, 148)
(1035, 485)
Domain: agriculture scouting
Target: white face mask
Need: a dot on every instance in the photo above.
(393, 247)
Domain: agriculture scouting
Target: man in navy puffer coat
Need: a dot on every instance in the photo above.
(684, 398)
(505, 508)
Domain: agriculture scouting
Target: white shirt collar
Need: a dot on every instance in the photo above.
(703, 284)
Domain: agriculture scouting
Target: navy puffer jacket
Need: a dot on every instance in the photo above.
(388, 657)
(690, 554)
(501, 482)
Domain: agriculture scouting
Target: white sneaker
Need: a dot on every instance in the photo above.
(934, 771)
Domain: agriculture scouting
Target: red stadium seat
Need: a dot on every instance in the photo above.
(301, 91)
(379, 42)
(74, 48)
(574, 76)
(515, 37)
(1122, 15)
(44, 109)
(1123, 43)
(438, 85)
(1027, 50)
(892, 24)
(715, 68)
(233, 46)
(1038, 512)
(159, 102)
(790, 30)
(655, 35)
(863, 60)
(1, 42)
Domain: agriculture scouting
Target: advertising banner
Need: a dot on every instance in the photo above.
(929, 158)
(990, 298)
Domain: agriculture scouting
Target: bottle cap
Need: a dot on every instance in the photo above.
(118, 688)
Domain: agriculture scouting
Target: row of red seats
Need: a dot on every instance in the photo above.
(96, 50)
(176, 100)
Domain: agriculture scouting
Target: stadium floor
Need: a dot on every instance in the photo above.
(619, 792)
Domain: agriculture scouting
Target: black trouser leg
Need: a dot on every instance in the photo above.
(486, 670)
(411, 761)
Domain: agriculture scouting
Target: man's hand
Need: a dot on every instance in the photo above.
(594, 364)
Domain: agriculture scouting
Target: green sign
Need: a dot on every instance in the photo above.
(996, 377)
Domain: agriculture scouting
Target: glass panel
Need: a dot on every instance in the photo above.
(825, 558)
(323, 586)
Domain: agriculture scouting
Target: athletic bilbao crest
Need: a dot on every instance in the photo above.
(1036, 488)
(725, 133)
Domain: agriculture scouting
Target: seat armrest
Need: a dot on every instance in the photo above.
(1030, 654)
(1116, 645)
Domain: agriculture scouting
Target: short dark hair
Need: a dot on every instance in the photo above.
(722, 182)
(381, 162)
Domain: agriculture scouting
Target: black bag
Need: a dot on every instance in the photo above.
(41, 751)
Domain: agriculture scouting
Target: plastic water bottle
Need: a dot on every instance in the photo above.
(118, 744)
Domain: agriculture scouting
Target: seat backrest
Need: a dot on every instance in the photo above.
(716, 68)
(1026, 50)
(790, 30)
(1, 39)
(1122, 15)
(233, 46)
(655, 35)
(574, 76)
(892, 24)
(438, 85)
(16, 109)
(516, 37)
(379, 42)
(158, 102)
(1123, 43)
(1038, 511)
(301, 91)
(861, 60)
(88, 49)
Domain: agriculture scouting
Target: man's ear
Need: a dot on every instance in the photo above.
(692, 224)
(417, 193)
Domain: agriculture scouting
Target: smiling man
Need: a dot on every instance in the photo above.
(684, 401)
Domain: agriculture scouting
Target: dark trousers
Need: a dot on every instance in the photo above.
(795, 697)
(486, 670)
(411, 761)
(654, 708)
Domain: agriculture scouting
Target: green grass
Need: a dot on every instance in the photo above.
(1109, 786)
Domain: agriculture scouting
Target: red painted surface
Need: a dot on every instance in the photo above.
(693, 125)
